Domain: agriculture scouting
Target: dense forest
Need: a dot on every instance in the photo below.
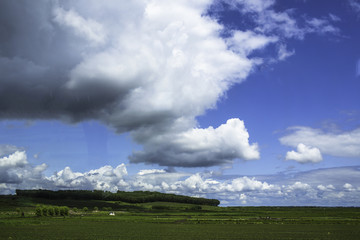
(129, 197)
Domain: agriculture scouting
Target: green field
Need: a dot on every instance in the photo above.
(161, 220)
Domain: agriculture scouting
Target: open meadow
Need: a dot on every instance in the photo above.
(163, 220)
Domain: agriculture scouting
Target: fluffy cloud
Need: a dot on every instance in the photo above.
(127, 64)
(329, 187)
(105, 178)
(16, 159)
(15, 168)
(304, 154)
(349, 187)
(345, 144)
(199, 147)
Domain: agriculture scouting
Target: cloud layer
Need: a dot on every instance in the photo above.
(329, 187)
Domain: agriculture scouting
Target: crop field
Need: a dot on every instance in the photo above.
(161, 220)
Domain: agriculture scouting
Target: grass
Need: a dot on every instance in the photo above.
(176, 221)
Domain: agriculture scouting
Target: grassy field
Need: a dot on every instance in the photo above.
(174, 221)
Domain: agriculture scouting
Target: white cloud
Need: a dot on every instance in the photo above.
(298, 186)
(105, 178)
(321, 26)
(280, 22)
(284, 24)
(15, 168)
(16, 159)
(247, 184)
(334, 18)
(349, 187)
(243, 198)
(283, 53)
(355, 5)
(89, 29)
(253, 5)
(345, 144)
(329, 187)
(246, 42)
(150, 171)
(304, 154)
(200, 147)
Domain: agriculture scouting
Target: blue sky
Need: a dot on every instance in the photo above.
(250, 102)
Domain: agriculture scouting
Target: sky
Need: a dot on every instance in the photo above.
(252, 102)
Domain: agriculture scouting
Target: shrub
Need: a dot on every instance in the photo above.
(85, 209)
(64, 211)
(18, 210)
(51, 211)
(38, 211)
(56, 211)
(44, 211)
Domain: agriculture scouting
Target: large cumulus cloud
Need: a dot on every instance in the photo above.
(199, 147)
(148, 67)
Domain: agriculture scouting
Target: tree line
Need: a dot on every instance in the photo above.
(51, 211)
(129, 197)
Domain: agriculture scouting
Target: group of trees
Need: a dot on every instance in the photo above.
(84, 209)
(129, 197)
(51, 211)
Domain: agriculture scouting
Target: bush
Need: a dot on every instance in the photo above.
(38, 211)
(64, 211)
(56, 211)
(44, 211)
(18, 210)
(51, 211)
(96, 209)
(75, 209)
(85, 209)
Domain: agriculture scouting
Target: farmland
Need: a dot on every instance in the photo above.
(90, 219)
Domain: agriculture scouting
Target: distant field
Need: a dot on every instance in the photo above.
(161, 220)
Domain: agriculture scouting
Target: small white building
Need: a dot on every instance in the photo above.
(112, 214)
